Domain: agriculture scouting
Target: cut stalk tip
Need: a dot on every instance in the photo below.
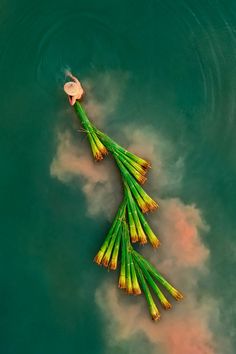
(104, 151)
(154, 312)
(142, 179)
(146, 164)
(113, 265)
(166, 305)
(129, 290)
(105, 261)
(134, 239)
(98, 156)
(152, 205)
(122, 282)
(142, 239)
(137, 291)
(155, 243)
(98, 258)
(177, 295)
(155, 316)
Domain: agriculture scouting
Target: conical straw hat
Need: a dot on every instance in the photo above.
(72, 89)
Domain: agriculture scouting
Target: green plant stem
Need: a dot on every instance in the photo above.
(165, 303)
(147, 229)
(152, 270)
(151, 304)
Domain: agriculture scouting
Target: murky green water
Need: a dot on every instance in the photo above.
(180, 57)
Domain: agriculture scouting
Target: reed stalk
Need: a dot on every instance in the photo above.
(155, 274)
(154, 312)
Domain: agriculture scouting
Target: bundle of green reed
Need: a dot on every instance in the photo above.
(137, 275)
(98, 149)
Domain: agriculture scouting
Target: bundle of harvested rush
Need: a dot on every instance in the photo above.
(97, 147)
(129, 225)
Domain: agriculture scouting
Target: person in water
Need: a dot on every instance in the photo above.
(73, 89)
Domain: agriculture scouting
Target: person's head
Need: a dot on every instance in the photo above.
(72, 89)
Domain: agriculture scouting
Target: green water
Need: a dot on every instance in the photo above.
(180, 57)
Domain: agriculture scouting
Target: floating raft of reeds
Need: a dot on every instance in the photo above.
(136, 275)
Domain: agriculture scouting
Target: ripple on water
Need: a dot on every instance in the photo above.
(52, 40)
(214, 44)
(76, 41)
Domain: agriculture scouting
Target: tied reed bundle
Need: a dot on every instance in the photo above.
(136, 275)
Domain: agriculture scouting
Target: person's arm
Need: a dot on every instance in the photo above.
(68, 73)
(73, 100)
(70, 100)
